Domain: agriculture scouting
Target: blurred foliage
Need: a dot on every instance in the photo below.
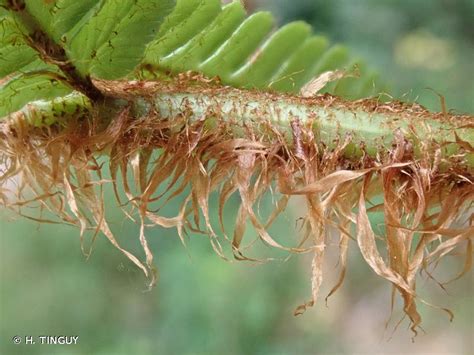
(204, 305)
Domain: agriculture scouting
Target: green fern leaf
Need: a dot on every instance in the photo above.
(23, 89)
(129, 38)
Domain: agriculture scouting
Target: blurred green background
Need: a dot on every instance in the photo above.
(204, 305)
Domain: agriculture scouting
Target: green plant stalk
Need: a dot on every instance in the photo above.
(371, 131)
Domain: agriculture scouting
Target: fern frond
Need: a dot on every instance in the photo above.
(174, 65)
(114, 39)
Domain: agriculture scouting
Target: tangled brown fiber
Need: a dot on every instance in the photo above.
(427, 210)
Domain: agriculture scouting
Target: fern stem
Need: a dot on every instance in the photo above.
(372, 128)
(368, 127)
